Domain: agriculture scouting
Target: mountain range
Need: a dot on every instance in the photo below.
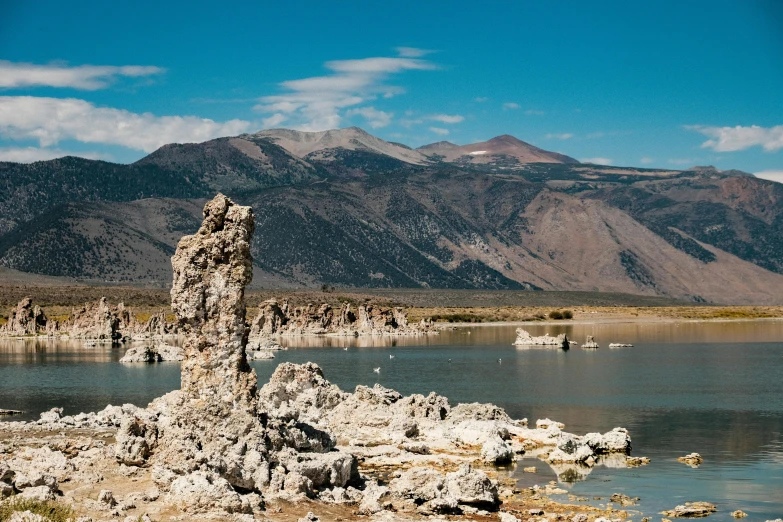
(345, 208)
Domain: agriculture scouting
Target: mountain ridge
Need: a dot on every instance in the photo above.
(358, 217)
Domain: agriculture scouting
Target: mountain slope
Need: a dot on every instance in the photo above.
(194, 170)
(322, 145)
(360, 217)
(505, 146)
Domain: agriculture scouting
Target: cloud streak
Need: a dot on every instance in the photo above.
(772, 175)
(597, 161)
(560, 136)
(84, 77)
(320, 102)
(447, 118)
(731, 139)
(375, 118)
(51, 120)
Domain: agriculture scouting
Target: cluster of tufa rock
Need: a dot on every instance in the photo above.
(525, 339)
(97, 321)
(590, 343)
(281, 319)
(34, 474)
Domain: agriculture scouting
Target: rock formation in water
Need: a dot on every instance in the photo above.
(276, 319)
(525, 339)
(590, 343)
(25, 319)
(95, 320)
(152, 353)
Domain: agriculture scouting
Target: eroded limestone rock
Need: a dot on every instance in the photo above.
(25, 319)
(213, 438)
(525, 339)
(274, 319)
(691, 509)
(152, 353)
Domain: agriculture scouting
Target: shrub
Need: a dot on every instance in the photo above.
(568, 314)
(555, 314)
(52, 511)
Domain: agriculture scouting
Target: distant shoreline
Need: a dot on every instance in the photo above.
(610, 320)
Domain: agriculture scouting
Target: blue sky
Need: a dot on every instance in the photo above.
(658, 84)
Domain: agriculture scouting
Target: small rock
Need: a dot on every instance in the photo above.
(739, 514)
(535, 512)
(530, 469)
(692, 459)
(40, 493)
(6, 490)
(546, 423)
(309, 517)
(579, 517)
(51, 416)
(623, 500)
(633, 462)
(507, 517)
(497, 451)
(107, 497)
(691, 509)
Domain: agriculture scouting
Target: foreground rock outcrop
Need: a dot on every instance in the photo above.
(211, 439)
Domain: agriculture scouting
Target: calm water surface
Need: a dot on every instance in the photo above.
(712, 388)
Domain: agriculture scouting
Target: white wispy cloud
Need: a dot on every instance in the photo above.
(374, 117)
(273, 121)
(447, 118)
(730, 139)
(597, 161)
(772, 175)
(560, 136)
(32, 154)
(317, 103)
(439, 130)
(480, 99)
(51, 120)
(534, 112)
(85, 77)
(511, 105)
(646, 161)
(412, 52)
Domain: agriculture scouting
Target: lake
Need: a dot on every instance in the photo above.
(713, 388)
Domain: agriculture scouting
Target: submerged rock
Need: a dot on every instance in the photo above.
(694, 460)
